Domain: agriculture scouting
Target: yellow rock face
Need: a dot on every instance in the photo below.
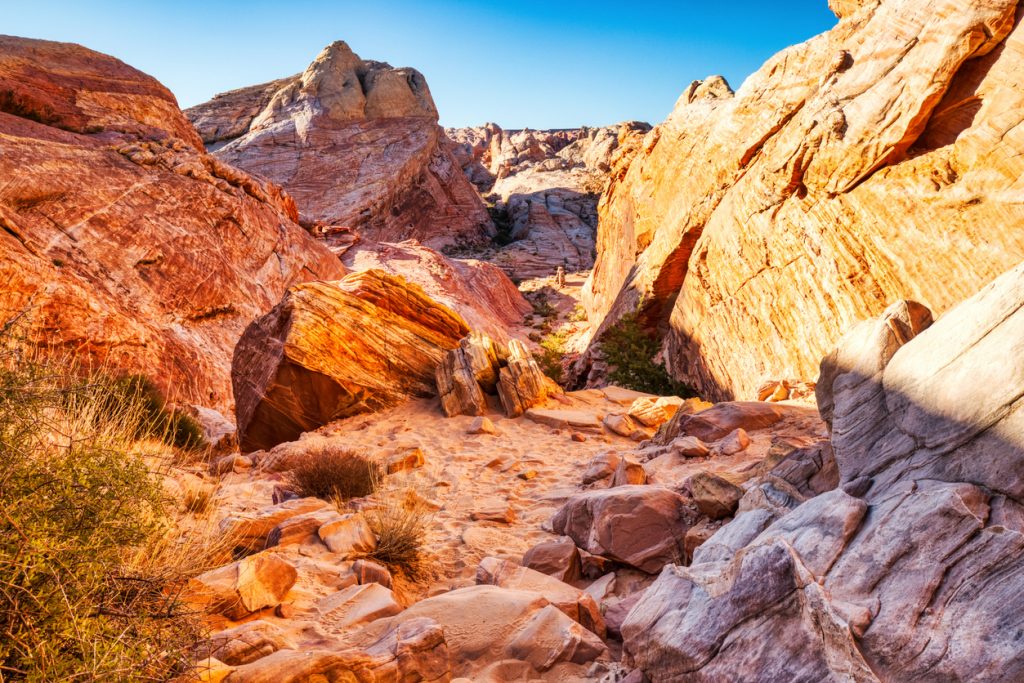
(880, 160)
(332, 349)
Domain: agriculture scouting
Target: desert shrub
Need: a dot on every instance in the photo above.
(78, 506)
(198, 499)
(578, 315)
(400, 524)
(630, 353)
(552, 351)
(333, 473)
(156, 418)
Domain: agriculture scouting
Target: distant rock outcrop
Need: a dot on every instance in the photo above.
(911, 569)
(877, 161)
(123, 242)
(334, 349)
(357, 144)
(545, 186)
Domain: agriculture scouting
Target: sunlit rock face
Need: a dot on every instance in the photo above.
(123, 243)
(356, 143)
(911, 569)
(880, 160)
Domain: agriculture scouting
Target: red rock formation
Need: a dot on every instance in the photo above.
(125, 244)
(356, 143)
(879, 160)
(333, 349)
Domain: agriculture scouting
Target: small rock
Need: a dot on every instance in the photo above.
(241, 588)
(565, 419)
(622, 425)
(359, 604)
(482, 425)
(493, 510)
(558, 558)
(368, 571)
(230, 463)
(404, 462)
(601, 467)
(301, 528)
(697, 534)
(577, 436)
(348, 535)
(715, 496)
(629, 472)
(602, 587)
(285, 610)
(527, 475)
(690, 447)
(736, 442)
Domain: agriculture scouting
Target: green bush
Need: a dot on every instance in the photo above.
(552, 351)
(630, 353)
(156, 418)
(79, 512)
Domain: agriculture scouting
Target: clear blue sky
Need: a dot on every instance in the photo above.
(536, 63)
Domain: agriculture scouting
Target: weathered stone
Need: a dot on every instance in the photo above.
(245, 643)
(736, 442)
(565, 419)
(329, 350)
(349, 535)
(356, 143)
(629, 473)
(642, 526)
(576, 604)
(125, 244)
(241, 588)
(654, 412)
(251, 531)
(715, 496)
(481, 425)
(558, 558)
(409, 460)
(355, 605)
(465, 373)
(493, 509)
(368, 571)
(521, 383)
(301, 528)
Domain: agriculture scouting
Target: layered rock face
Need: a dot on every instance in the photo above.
(544, 186)
(879, 160)
(910, 570)
(356, 143)
(333, 349)
(123, 243)
(478, 291)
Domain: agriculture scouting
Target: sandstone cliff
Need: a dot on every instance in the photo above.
(356, 143)
(882, 159)
(123, 242)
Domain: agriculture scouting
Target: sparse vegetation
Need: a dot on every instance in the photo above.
(578, 315)
(198, 499)
(157, 419)
(549, 358)
(630, 352)
(400, 524)
(84, 594)
(334, 473)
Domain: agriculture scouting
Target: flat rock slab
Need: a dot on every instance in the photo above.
(565, 419)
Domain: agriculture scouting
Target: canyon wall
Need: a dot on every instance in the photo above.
(357, 144)
(877, 161)
(123, 243)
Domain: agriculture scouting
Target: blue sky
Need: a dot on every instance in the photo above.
(542, 64)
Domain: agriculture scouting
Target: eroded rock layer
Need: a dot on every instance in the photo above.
(356, 143)
(333, 349)
(122, 242)
(879, 160)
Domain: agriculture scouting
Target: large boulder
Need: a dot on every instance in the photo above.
(877, 159)
(123, 243)
(642, 526)
(910, 570)
(356, 143)
(333, 349)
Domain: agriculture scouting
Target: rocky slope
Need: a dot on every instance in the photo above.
(357, 144)
(123, 242)
(879, 160)
(544, 186)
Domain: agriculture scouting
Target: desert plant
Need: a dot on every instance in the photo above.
(400, 521)
(578, 315)
(630, 353)
(78, 502)
(157, 418)
(552, 351)
(198, 499)
(333, 473)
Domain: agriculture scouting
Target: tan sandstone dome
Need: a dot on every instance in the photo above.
(880, 160)
(123, 242)
(356, 143)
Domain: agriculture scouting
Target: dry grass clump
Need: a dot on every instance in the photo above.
(400, 520)
(85, 592)
(198, 499)
(333, 473)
